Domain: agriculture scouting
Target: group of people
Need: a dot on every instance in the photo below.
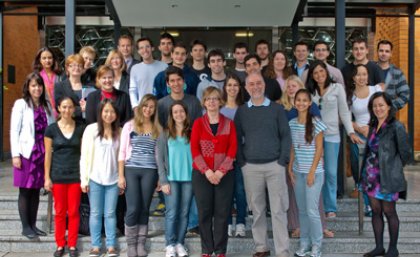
(209, 140)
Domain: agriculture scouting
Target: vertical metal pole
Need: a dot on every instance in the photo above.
(411, 61)
(1, 89)
(340, 33)
(117, 23)
(295, 32)
(70, 26)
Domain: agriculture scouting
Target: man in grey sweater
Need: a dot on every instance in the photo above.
(264, 143)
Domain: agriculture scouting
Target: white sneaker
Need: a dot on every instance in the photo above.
(240, 230)
(316, 251)
(303, 251)
(230, 230)
(181, 251)
(170, 251)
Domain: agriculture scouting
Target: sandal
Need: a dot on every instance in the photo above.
(328, 233)
(295, 233)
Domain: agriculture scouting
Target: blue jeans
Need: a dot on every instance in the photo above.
(178, 204)
(307, 199)
(355, 154)
(329, 191)
(193, 215)
(239, 196)
(103, 203)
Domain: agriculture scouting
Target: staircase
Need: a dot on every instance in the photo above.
(346, 241)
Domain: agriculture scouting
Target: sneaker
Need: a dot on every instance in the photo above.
(316, 251)
(240, 230)
(112, 252)
(221, 255)
(181, 251)
(368, 211)
(193, 232)
(160, 210)
(94, 252)
(170, 251)
(230, 230)
(303, 251)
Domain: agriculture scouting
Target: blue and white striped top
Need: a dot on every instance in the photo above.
(304, 152)
(143, 151)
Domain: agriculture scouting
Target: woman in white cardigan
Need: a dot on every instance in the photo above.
(332, 103)
(30, 116)
(99, 175)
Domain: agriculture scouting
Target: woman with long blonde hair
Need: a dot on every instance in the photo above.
(137, 169)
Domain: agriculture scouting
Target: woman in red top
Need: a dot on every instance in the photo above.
(213, 148)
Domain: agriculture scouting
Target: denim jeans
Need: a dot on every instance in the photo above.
(103, 203)
(307, 199)
(193, 215)
(178, 204)
(356, 155)
(239, 196)
(329, 191)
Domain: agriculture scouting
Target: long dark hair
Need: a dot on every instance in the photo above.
(271, 73)
(115, 125)
(27, 96)
(240, 96)
(311, 84)
(309, 125)
(351, 84)
(37, 66)
(388, 100)
(186, 131)
(60, 100)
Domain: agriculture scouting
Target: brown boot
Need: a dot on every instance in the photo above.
(131, 238)
(141, 241)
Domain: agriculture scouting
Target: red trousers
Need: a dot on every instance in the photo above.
(66, 204)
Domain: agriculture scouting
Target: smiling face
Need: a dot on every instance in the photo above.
(380, 108)
(179, 56)
(116, 62)
(165, 46)
(216, 64)
(35, 90)
(255, 86)
(88, 58)
(360, 52)
(361, 77)
(106, 81)
(240, 54)
(145, 50)
(291, 88)
(66, 108)
(148, 109)
(75, 69)
(176, 83)
(212, 102)
(252, 66)
(279, 62)
(232, 88)
(321, 52)
(125, 47)
(178, 114)
(302, 102)
(384, 52)
(198, 53)
(46, 59)
(320, 75)
(262, 51)
(301, 53)
(108, 114)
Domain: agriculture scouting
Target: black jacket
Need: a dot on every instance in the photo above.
(122, 102)
(125, 82)
(394, 153)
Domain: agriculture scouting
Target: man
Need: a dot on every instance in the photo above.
(262, 49)
(198, 54)
(321, 53)
(143, 74)
(166, 44)
(178, 56)
(125, 46)
(360, 53)
(264, 142)
(272, 87)
(216, 63)
(240, 51)
(395, 83)
(301, 53)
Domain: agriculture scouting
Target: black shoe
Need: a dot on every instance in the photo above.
(29, 233)
(39, 232)
(392, 253)
(375, 252)
(73, 252)
(59, 252)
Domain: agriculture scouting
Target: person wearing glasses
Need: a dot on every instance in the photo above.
(332, 102)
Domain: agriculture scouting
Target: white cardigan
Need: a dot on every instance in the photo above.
(22, 128)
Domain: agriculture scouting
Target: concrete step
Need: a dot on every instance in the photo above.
(349, 242)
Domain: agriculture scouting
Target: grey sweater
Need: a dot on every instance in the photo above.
(263, 134)
(192, 103)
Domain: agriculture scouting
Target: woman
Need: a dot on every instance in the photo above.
(116, 61)
(105, 83)
(382, 176)
(278, 68)
(331, 99)
(30, 117)
(63, 140)
(292, 85)
(233, 98)
(88, 54)
(175, 171)
(358, 95)
(213, 147)
(137, 172)
(46, 64)
(99, 175)
(72, 87)
(306, 171)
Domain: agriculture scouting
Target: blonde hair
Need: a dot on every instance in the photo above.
(210, 90)
(111, 55)
(139, 118)
(88, 50)
(285, 100)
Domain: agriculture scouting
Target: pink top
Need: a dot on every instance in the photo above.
(125, 144)
(49, 86)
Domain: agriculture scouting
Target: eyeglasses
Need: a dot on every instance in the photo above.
(321, 50)
(75, 66)
(212, 99)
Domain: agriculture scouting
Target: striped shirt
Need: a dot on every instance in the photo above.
(304, 152)
(143, 152)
